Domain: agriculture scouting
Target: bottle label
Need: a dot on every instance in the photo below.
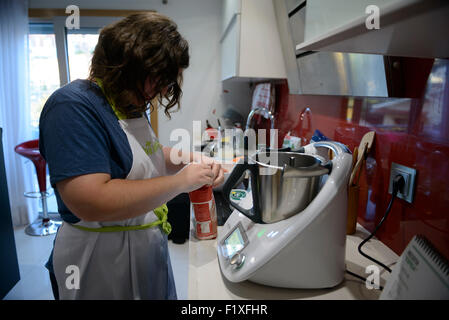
(203, 210)
(206, 230)
(205, 220)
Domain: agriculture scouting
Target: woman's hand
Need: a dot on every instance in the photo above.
(217, 170)
(196, 158)
(195, 175)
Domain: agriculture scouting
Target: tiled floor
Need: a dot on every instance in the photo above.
(34, 284)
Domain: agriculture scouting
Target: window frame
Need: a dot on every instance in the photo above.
(88, 19)
(61, 32)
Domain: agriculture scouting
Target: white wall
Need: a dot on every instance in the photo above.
(199, 21)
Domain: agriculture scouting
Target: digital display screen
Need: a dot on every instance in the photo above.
(234, 242)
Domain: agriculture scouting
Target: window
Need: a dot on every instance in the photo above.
(58, 56)
(80, 46)
(43, 69)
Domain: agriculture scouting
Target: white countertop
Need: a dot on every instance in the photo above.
(206, 281)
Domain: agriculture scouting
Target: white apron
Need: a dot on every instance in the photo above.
(121, 264)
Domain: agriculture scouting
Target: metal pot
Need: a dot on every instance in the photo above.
(281, 190)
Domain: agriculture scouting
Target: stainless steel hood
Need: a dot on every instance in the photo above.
(337, 73)
(333, 73)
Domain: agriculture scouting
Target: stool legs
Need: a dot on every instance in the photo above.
(43, 226)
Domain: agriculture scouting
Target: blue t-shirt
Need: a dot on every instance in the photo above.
(80, 134)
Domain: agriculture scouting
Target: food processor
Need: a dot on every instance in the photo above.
(290, 231)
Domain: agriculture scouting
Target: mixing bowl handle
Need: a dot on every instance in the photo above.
(336, 147)
(254, 213)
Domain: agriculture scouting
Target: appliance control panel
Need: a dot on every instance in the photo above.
(233, 244)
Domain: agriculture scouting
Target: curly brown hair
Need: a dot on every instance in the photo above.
(141, 46)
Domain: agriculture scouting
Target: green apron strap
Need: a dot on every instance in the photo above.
(161, 213)
(119, 115)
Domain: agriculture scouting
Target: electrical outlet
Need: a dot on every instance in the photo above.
(409, 175)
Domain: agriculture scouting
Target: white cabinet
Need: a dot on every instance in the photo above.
(250, 45)
(293, 4)
(230, 49)
(230, 9)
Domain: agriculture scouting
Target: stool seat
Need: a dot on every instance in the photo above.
(32, 153)
(28, 145)
(30, 150)
(43, 226)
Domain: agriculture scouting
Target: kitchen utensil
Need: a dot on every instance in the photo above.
(355, 155)
(359, 174)
(357, 166)
(306, 250)
(281, 190)
(364, 148)
(360, 154)
(353, 199)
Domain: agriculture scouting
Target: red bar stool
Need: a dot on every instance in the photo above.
(43, 225)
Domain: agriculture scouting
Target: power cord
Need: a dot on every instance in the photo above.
(398, 184)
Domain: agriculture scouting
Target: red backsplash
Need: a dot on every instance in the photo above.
(411, 132)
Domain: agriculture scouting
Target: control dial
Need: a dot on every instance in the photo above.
(237, 260)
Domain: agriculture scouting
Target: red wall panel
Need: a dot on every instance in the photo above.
(411, 132)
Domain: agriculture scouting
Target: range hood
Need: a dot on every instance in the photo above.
(343, 73)
(338, 73)
(409, 28)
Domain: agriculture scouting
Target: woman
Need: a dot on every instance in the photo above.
(111, 176)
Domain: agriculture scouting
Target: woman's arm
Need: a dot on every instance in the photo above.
(97, 197)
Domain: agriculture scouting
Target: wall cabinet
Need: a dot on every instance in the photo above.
(230, 9)
(293, 4)
(250, 45)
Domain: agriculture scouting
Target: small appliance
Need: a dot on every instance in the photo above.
(290, 231)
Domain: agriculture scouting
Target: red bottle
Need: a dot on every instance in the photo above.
(205, 213)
